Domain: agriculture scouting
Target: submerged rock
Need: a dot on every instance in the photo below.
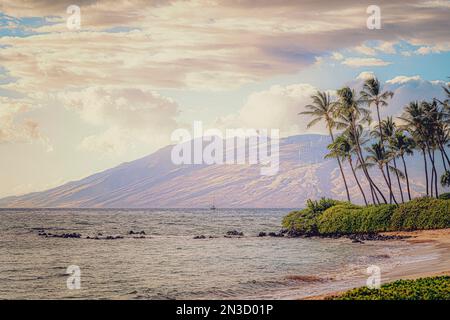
(136, 232)
(234, 233)
(276, 234)
(262, 234)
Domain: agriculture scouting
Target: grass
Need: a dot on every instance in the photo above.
(331, 217)
(433, 288)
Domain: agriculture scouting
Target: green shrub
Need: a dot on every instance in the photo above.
(422, 214)
(305, 221)
(321, 205)
(435, 288)
(330, 217)
(350, 219)
(445, 196)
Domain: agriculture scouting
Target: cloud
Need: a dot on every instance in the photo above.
(365, 75)
(365, 62)
(433, 49)
(337, 56)
(130, 116)
(403, 79)
(387, 47)
(368, 51)
(275, 108)
(201, 44)
(15, 127)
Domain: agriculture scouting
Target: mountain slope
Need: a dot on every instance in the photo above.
(155, 182)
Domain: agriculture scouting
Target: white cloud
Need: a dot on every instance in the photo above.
(275, 108)
(403, 79)
(368, 51)
(337, 56)
(129, 115)
(365, 62)
(365, 75)
(15, 127)
(387, 47)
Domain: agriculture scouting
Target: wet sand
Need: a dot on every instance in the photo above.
(431, 257)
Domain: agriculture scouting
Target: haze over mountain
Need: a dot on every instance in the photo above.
(155, 182)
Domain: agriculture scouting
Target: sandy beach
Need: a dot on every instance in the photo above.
(431, 257)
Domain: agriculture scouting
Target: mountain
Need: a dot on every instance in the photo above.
(155, 182)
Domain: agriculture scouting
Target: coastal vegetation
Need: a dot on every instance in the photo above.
(379, 148)
(377, 151)
(328, 217)
(432, 288)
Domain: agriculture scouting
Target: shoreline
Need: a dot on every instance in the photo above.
(431, 258)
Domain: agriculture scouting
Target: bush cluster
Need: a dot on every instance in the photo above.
(433, 288)
(330, 217)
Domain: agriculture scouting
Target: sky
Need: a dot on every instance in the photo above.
(78, 99)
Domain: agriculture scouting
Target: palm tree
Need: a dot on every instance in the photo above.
(322, 110)
(412, 117)
(378, 156)
(386, 128)
(430, 124)
(351, 117)
(342, 148)
(400, 145)
(372, 94)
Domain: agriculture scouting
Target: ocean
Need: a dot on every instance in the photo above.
(168, 263)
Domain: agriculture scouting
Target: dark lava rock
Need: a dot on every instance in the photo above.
(74, 235)
(262, 234)
(200, 237)
(113, 237)
(136, 232)
(235, 233)
(276, 234)
(374, 237)
(294, 234)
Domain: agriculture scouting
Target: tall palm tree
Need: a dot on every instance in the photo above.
(343, 149)
(378, 156)
(402, 145)
(372, 94)
(430, 125)
(412, 117)
(387, 128)
(351, 117)
(322, 110)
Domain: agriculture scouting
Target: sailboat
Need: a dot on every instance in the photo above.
(212, 207)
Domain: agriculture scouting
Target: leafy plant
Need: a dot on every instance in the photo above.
(434, 288)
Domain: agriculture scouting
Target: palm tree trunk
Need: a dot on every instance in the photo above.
(369, 179)
(340, 167)
(433, 175)
(407, 178)
(426, 170)
(345, 180)
(398, 180)
(382, 144)
(442, 155)
(391, 194)
(385, 179)
(356, 179)
(442, 147)
(436, 190)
